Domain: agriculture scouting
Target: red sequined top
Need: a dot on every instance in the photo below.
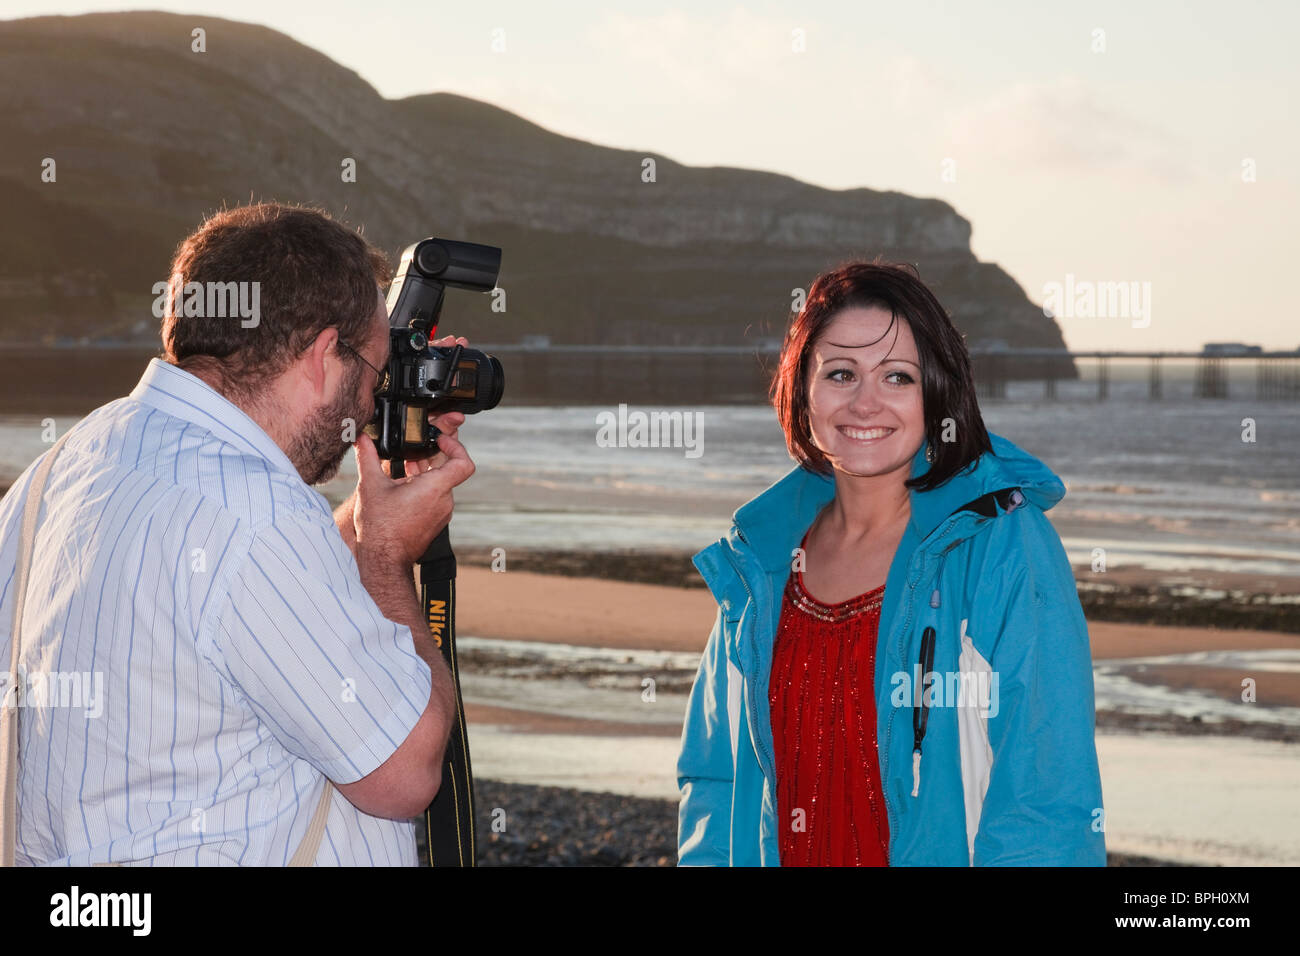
(824, 729)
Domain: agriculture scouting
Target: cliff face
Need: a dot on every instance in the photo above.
(511, 169)
(149, 136)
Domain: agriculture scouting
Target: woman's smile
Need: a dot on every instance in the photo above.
(865, 436)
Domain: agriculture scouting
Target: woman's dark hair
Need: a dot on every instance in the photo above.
(947, 385)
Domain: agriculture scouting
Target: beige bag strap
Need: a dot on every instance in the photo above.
(10, 705)
(306, 853)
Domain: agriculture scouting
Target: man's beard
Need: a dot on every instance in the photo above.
(319, 447)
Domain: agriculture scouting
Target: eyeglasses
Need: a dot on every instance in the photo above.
(379, 376)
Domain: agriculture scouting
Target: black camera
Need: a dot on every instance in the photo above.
(422, 380)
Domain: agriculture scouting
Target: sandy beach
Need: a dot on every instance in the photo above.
(514, 605)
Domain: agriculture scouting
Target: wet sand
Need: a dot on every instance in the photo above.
(533, 722)
(524, 605)
(587, 612)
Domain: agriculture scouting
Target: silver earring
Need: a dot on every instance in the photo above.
(929, 453)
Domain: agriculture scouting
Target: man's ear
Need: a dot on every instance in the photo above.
(319, 363)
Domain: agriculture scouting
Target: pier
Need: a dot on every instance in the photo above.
(729, 374)
(47, 381)
(1276, 375)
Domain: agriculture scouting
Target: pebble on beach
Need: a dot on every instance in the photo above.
(554, 826)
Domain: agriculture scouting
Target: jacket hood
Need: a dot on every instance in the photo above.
(773, 522)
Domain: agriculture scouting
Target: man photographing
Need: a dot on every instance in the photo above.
(257, 651)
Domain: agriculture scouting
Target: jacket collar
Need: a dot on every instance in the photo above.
(772, 524)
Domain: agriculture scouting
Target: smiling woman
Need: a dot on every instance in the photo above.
(866, 413)
(907, 539)
(872, 314)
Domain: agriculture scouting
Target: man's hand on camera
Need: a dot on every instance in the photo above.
(395, 518)
(448, 424)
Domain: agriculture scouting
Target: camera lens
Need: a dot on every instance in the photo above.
(496, 386)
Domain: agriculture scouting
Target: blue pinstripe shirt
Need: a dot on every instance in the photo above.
(184, 568)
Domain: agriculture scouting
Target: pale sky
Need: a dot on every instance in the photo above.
(1122, 164)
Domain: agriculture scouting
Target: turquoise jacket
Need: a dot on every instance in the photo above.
(1005, 771)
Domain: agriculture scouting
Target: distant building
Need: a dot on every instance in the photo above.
(1230, 348)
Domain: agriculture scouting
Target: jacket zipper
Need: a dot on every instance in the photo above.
(889, 724)
(889, 729)
(749, 690)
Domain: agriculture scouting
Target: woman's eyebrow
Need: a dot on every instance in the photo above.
(850, 358)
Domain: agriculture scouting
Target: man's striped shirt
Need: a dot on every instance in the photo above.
(198, 651)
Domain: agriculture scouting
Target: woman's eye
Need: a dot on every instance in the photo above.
(904, 378)
(840, 371)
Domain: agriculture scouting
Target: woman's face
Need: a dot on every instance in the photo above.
(864, 393)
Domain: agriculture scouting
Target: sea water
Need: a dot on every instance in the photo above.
(1166, 485)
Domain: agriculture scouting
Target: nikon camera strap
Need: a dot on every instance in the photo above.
(449, 820)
